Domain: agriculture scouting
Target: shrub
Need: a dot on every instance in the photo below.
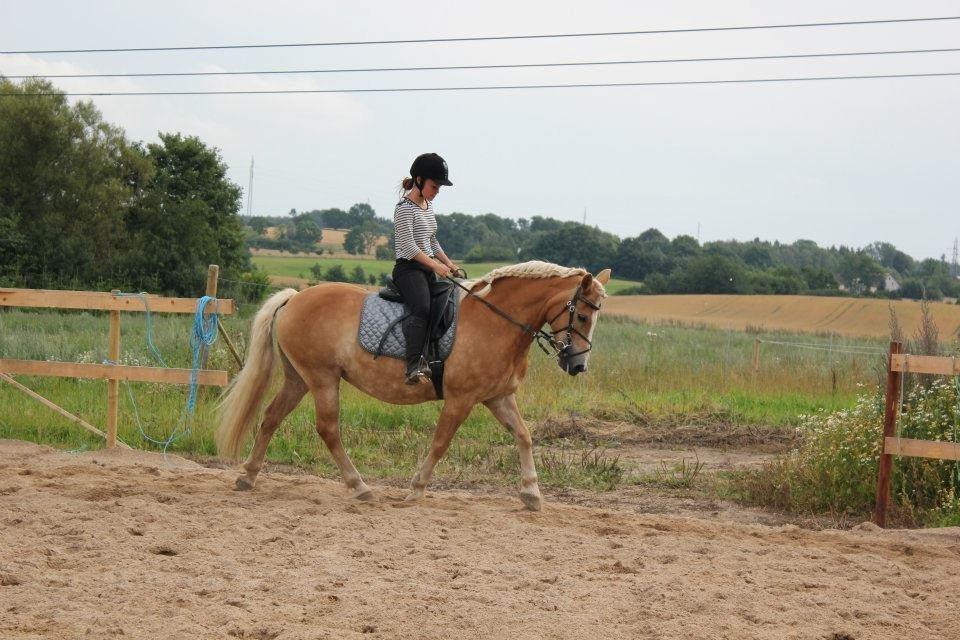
(835, 468)
(358, 275)
(336, 273)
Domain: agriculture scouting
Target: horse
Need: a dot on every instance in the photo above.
(313, 334)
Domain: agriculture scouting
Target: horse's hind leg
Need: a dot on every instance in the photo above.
(285, 401)
(327, 399)
(506, 411)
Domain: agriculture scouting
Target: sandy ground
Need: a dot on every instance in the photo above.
(132, 545)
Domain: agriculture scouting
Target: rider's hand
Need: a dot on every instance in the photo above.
(454, 268)
(442, 270)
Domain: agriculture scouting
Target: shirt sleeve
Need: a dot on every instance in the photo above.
(435, 245)
(403, 233)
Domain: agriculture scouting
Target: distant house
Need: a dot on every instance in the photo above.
(890, 283)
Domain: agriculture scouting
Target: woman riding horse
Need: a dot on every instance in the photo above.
(313, 336)
(420, 259)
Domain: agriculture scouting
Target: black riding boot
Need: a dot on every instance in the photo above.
(415, 333)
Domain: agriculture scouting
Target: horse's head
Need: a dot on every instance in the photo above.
(573, 324)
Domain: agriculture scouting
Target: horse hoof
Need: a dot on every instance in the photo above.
(532, 501)
(366, 495)
(243, 484)
(414, 496)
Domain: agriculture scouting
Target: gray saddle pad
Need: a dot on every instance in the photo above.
(378, 315)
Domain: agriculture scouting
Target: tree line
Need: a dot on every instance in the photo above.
(680, 264)
(82, 206)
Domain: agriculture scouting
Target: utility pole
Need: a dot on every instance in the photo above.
(250, 191)
(954, 267)
(584, 216)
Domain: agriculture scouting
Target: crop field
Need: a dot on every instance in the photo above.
(286, 268)
(802, 314)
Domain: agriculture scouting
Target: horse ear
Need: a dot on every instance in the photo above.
(586, 282)
(603, 276)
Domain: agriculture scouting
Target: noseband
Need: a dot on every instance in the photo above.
(559, 346)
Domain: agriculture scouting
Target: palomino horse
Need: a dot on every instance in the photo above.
(316, 332)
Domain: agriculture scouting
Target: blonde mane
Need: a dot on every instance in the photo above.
(532, 269)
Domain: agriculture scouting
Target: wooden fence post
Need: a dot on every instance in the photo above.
(213, 274)
(113, 384)
(889, 430)
(756, 356)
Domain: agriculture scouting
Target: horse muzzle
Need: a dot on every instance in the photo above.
(572, 364)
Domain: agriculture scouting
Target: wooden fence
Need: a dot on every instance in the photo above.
(112, 373)
(898, 364)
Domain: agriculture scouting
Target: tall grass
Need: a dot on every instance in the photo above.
(834, 470)
(638, 373)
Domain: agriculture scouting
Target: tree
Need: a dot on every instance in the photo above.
(758, 254)
(891, 257)
(641, 256)
(187, 219)
(818, 279)
(683, 248)
(67, 183)
(859, 271)
(336, 273)
(362, 237)
(259, 224)
(361, 212)
(713, 274)
(575, 244)
(358, 275)
(306, 233)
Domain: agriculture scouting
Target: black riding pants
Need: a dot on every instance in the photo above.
(415, 282)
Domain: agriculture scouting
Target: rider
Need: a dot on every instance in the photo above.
(420, 259)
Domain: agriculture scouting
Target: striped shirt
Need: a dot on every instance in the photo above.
(414, 230)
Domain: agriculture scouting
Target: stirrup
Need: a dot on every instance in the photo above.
(421, 371)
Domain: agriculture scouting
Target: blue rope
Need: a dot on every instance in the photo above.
(204, 334)
(146, 305)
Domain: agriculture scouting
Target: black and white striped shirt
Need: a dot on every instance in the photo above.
(414, 230)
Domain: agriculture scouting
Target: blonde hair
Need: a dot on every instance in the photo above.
(531, 269)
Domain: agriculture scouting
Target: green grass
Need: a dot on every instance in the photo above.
(639, 373)
(299, 267)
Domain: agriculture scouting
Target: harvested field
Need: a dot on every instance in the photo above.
(113, 543)
(803, 314)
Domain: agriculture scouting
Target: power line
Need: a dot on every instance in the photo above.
(478, 88)
(490, 38)
(487, 66)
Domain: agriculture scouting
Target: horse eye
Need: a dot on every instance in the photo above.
(581, 317)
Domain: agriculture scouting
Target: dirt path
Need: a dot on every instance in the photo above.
(128, 544)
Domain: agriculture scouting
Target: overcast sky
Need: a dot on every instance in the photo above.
(838, 162)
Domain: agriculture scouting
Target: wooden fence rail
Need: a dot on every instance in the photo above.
(112, 373)
(892, 445)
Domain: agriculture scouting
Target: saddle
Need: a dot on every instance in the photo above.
(380, 330)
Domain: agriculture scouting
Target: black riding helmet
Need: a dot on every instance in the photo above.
(432, 166)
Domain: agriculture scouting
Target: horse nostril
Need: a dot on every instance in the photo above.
(579, 368)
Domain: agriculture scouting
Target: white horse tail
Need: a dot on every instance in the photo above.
(241, 400)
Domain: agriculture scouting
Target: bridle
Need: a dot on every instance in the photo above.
(571, 307)
(559, 347)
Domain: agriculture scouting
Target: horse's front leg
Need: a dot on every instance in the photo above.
(451, 416)
(506, 411)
